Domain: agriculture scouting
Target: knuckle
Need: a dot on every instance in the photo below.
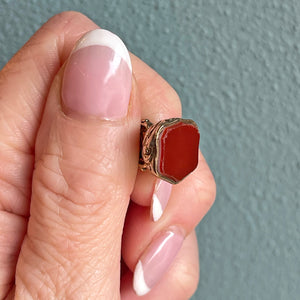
(204, 186)
(158, 93)
(171, 97)
(66, 17)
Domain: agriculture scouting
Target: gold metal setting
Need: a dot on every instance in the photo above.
(149, 144)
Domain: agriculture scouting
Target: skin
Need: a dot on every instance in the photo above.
(62, 220)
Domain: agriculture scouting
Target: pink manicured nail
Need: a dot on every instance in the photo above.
(160, 198)
(97, 77)
(156, 260)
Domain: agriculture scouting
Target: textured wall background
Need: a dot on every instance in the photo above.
(236, 66)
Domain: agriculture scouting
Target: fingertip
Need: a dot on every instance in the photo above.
(139, 284)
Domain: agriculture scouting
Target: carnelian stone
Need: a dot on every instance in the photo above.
(178, 150)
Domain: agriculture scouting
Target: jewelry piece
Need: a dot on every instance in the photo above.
(169, 148)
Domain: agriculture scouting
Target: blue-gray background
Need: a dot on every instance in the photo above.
(236, 66)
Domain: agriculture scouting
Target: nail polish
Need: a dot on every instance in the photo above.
(160, 198)
(156, 260)
(97, 77)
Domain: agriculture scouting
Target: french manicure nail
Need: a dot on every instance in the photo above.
(160, 198)
(156, 260)
(97, 76)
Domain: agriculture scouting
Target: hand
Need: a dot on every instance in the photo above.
(68, 157)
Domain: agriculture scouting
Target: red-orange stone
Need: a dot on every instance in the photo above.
(178, 155)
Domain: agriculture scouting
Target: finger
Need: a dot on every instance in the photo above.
(180, 280)
(189, 202)
(86, 163)
(24, 84)
(158, 101)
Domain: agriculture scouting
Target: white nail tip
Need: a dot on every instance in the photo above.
(139, 285)
(106, 38)
(157, 210)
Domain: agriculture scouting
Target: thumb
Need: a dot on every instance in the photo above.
(86, 163)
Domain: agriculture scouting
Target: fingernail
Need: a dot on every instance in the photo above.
(97, 76)
(156, 260)
(160, 198)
